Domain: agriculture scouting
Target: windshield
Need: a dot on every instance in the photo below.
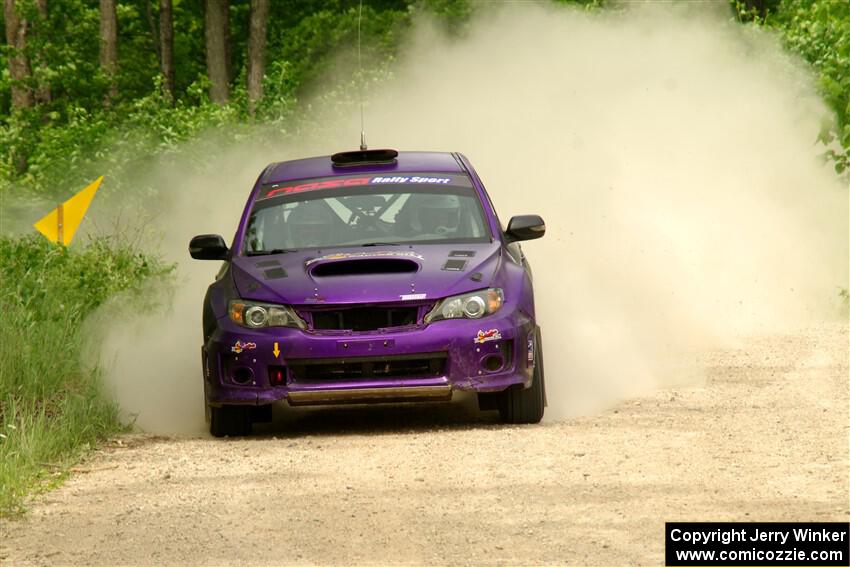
(365, 210)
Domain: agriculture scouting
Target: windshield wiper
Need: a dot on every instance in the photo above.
(381, 244)
(267, 252)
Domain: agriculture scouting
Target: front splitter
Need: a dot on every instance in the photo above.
(370, 395)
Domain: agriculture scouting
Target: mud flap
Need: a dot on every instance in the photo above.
(205, 372)
(539, 361)
(261, 414)
(488, 401)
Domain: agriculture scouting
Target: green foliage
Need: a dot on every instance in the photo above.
(69, 155)
(51, 407)
(309, 48)
(819, 31)
(74, 138)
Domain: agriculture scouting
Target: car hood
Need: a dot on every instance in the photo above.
(367, 275)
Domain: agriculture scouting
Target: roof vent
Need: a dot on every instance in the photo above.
(363, 157)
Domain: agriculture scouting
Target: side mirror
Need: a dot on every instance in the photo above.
(208, 247)
(525, 227)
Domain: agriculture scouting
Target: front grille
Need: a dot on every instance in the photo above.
(368, 368)
(364, 318)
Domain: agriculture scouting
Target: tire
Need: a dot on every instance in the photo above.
(231, 421)
(526, 405)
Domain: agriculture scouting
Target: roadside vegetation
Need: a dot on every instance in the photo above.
(819, 31)
(77, 114)
(119, 96)
(51, 410)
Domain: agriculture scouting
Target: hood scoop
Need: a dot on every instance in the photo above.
(363, 267)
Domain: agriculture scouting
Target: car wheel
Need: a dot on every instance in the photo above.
(526, 405)
(232, 421)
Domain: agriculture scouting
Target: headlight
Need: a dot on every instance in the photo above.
(258, 315)
(467, 306)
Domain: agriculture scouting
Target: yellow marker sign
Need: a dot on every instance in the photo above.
(276, 351)
(60, 224)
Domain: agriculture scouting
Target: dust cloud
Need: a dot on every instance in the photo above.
(671, 152)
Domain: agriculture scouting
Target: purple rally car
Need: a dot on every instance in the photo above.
(370, 276)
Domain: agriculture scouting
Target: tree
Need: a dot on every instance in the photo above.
(42, 91)
(257, 51)
(109, 46)
(216, 26)
(153, 30)
(166, 47)
(19, 65)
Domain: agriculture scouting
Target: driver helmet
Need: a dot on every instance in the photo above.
(436, 213)
(309, 223)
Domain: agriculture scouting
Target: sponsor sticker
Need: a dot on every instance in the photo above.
(239, 346)
(349, 255)
(329, 184)
(432, 180)
(413, 296)
(485, 336)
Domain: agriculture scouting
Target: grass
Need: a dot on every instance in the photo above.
(51, 407)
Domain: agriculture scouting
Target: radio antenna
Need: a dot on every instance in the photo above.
(363, 147)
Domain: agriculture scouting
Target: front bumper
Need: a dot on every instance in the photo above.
(257, 367)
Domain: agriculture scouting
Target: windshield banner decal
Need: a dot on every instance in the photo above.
(332, 183)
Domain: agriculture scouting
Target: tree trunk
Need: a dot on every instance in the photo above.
(153, 30)
(109, 46)
(166, 41)
(228, 46)
(257, 52)
(19, 66)
(42, 93)
(215, 34)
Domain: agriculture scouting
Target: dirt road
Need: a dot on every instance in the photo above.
(766, 438)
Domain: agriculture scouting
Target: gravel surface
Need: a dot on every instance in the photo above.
(765, 438)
